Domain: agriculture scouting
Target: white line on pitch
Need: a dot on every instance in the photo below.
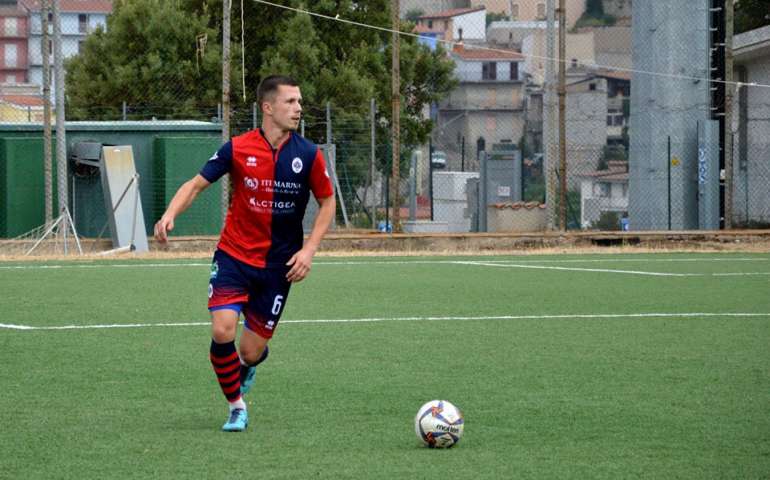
(398, 262)
(574, 269)
(404, 319)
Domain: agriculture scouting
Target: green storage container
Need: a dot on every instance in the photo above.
(176, 160)
(22, 185)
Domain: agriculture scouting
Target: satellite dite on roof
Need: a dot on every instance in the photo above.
(121, 197)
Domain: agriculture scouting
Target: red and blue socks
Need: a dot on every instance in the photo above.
(227, 363)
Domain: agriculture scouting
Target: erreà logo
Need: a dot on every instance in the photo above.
(296, 165)
(251, 183)
(251, 162)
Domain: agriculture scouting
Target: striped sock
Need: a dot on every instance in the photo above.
(224, 358)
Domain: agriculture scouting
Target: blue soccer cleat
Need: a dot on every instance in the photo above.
(247, 377)
(237, 422)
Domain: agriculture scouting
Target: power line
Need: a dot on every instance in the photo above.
(337, 18)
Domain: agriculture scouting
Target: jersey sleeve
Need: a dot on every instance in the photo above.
(219, 164)
(320, 182)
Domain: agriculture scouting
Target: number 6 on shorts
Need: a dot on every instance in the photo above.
(277, 304)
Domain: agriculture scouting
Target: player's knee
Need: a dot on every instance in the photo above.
(252, 355)
(222, 333)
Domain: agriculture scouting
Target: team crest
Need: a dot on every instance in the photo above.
(214, 270)
(251, 183)
(296, 165)
(251, 162)
(211, 290)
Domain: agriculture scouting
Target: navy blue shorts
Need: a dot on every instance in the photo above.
(260, 293)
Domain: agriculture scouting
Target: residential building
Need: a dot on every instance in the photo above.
(530, 10)
(13, 43)
(612, 46)
(579, 50)
(21, 103)
(465, 24)
(604, 190)
(751, 122)
(78, 19)
(487, 106)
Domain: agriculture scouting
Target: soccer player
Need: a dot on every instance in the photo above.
(260, 253)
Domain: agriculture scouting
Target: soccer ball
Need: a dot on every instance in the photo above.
(439, 424)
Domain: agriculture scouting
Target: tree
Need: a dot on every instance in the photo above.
(347, 66)
(494, 17)
(750, 15)
(413, 15)
(159, 59)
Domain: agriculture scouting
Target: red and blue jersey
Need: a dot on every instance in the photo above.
(271, 189)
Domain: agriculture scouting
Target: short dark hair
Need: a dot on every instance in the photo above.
(269, 86)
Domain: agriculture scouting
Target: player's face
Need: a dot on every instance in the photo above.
(287, 107)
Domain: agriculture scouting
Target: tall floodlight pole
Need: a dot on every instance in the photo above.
(728, 154)
(61, 134)
(225, 198)
(549, 145)
(562, 120)
(45, 52)
(396, 83)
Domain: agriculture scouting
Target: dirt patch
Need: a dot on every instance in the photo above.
(377, 244)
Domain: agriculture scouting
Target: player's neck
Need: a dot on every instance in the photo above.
(274, 134)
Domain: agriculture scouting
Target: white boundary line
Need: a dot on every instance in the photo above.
(403, 319)
(400, 262)
(597, 270)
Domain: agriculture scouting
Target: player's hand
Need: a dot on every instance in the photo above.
(164, 225)
(300, 266)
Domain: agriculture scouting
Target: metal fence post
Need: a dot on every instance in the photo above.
(374, 190)
(483, 191)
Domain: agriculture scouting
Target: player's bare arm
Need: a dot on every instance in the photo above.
(182, 200)
(301, 261)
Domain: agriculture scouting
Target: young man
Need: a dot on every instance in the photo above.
(260, 253)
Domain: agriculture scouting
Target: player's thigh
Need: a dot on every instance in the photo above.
(267, 300)
(224, 324)
(229, 281)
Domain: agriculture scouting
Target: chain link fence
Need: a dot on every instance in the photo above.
(646, 110)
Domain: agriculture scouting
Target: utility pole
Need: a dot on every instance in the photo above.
(61, 133)
(225, 197)
(396, 83)
(728, 114)
(562, 120)
(45, 51)
(550, 150)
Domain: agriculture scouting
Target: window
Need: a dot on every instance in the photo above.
(10, 79)
(514, 70)
(50, 18)
(615, 117)
(540, 11)
(50, 47)
(603, 189)
(10, 55)
(574, 63)
(11, 26)
(592, 87)
(82, 23)
(430, 23)
(460, 33)
(446, 24)
(491, 122)
(515, 11)
(489, 71)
